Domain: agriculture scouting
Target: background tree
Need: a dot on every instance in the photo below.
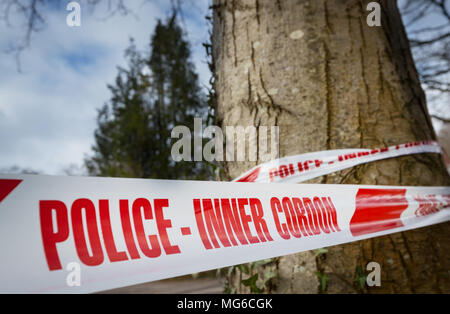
(428, 25)
(149, 98)
(124, 135)
(329, 81)
(430, 43)
(178, 98)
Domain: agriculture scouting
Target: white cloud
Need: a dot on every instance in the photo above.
(47, 113)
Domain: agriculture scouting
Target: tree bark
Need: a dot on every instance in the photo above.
(329, 81)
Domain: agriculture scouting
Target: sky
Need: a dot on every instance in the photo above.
(48, 110)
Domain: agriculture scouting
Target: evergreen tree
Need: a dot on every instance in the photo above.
(133, 135)
(177, 96)
(123, 136)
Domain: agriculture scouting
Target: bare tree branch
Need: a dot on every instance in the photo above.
(441, 119)
(416, 42)
(430, 43)
(33, 13)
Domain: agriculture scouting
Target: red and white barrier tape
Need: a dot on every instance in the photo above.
(123, 232)
(300, 168)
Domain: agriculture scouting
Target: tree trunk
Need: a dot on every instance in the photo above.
(329, 81)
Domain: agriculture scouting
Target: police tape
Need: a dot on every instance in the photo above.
(121, 232)
(300, 168)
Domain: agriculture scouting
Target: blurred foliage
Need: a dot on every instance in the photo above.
(151, 96)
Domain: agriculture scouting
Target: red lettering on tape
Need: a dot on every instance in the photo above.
(88, 245)
(304, 216)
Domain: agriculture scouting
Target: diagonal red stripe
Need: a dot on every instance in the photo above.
(7, 186)
(378, 210)
(251, 177)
